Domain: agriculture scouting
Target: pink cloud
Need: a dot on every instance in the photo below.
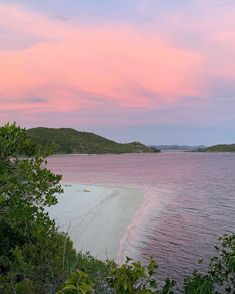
(80, 67)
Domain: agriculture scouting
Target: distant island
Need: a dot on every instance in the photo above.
(218, 148)
(70, 141)
(200, 148)
(177, 147)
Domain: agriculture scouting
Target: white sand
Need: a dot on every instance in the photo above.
(96, 220)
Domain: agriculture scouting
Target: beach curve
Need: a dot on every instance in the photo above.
(96, 217)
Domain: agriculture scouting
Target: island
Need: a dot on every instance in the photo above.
(177, 147)
(70, 141)
(218, 148)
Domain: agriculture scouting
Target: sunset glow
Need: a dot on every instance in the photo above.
(145, 64)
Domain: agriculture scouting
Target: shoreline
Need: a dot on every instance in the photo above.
(94, 154)
(97, 217)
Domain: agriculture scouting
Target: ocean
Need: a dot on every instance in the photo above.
(189, 202)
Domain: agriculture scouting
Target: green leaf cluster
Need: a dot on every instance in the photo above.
(133, 277)
(78, 282)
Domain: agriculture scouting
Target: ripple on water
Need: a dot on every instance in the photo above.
(189, 202)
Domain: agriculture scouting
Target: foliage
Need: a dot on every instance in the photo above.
(132, 277)
(222, 268)
(221, 274)
(198, 284)
(97, 271)
(34, 256)
(14, 141)
(78, 282)
(67, 141)
(128, 278)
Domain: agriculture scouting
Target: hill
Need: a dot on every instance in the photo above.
(218, 148)
(70, 141)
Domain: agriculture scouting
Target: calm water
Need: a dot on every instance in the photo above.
(190, 201)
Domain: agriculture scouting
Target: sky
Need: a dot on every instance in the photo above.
(159, 72)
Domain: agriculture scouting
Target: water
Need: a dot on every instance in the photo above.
(189, 202)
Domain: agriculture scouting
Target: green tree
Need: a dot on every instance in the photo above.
(34, 256)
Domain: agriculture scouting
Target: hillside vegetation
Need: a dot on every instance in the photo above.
(70, 141)
(218, 148)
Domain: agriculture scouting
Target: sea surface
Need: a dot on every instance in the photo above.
(189, 202)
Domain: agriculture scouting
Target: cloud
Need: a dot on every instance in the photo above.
(116, 72)
(77, 67)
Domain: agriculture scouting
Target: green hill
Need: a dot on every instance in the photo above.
(70, 141)
(218, 148)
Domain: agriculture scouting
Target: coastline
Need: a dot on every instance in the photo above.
(96, 217)
(100, 154)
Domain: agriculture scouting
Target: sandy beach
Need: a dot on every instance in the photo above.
(96, 217)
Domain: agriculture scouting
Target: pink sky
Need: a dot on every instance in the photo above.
(49, 65)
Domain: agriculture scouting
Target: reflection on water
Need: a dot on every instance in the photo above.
(190, 201)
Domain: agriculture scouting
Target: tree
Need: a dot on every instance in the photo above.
(34, 256)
